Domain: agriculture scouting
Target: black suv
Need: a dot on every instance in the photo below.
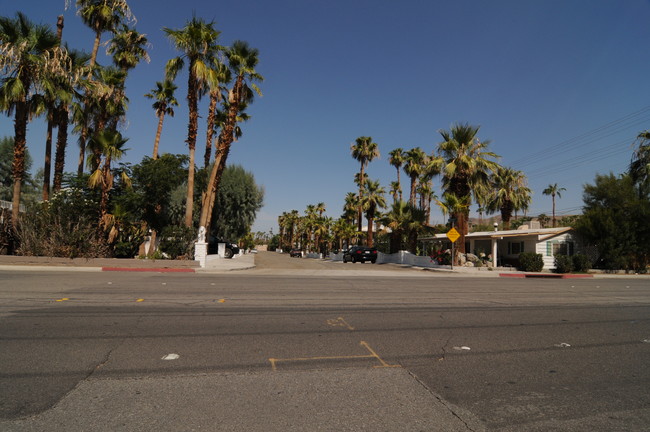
(360, 253)
(231, 248)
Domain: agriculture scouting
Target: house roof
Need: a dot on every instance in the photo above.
(541, 233)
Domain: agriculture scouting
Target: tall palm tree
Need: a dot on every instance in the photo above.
(553, 190)
(322, 228)
(293, 219)
(508, 192)
(344, 230)
(23, 49)
(102, 16)
(51, 95)
(363, 150)
(281, 225)
(242, 61)
(164, 104)
(395, 191)
(108, 104)
(350, 207)
(111, 145)
(425, 190)
(466, 170)
(431, 167)
(128, 48)
(66, 94)
(373, 199)
(197, 42)
(413, 165)
(397, 159)
(405, 222)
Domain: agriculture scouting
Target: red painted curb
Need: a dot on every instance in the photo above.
(157, 270)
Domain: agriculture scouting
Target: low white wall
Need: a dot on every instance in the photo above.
(402, 257)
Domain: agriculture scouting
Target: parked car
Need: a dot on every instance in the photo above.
(295, 253)
(360, 254)
(231, 248)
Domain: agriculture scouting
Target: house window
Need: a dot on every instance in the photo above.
(515, 248)
(559, 248)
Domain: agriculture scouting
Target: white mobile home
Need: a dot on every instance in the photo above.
(507, 245)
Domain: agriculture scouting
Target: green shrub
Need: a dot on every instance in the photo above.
(563, 264)
(177, 241)
(581, 263)
(65, 226)
(531, 262)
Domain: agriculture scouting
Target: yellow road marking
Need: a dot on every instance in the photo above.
(63, 299)
(373, 354)
(139, 300)
(222, 300)
(339, 322)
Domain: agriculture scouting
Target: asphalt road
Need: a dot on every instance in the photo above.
(303, 345)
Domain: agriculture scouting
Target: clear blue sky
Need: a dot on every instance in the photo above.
(559, 87)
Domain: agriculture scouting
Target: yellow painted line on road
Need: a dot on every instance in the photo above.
(221, 300)
(373, 355)
(139, 300)
(339, 322)
(63, 299)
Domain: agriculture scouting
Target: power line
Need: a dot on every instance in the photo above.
(611, 128)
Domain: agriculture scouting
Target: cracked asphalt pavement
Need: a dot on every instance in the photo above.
(305, 345)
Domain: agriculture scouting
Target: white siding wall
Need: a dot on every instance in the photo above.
(543, 248)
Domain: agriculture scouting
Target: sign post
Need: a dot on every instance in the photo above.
(452, 235)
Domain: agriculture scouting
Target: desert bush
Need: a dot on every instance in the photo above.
(563, 263)
(531, 262)
(581, 263)
(65, 226)
(177, 241)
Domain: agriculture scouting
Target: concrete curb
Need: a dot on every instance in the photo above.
(546, 275)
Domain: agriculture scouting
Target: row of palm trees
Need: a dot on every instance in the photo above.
(469, 174)
(40, 75)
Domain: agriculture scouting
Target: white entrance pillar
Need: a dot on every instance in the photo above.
(201, 248)
(494, 252)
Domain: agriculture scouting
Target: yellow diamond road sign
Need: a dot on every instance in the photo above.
(453, 235)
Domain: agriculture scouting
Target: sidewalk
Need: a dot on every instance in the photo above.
(214, 264)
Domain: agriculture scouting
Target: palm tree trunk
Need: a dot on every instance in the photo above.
(553, 210)
(210, 129)
(360, 212)
(371, 218)
(61, 144)
(161, 118)
(191, 142)
(18, 166)
(189, 201)
(226, 137)
(83, 137)
(48, 160)
(93, 56)
(412, 195)
(209, 196)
